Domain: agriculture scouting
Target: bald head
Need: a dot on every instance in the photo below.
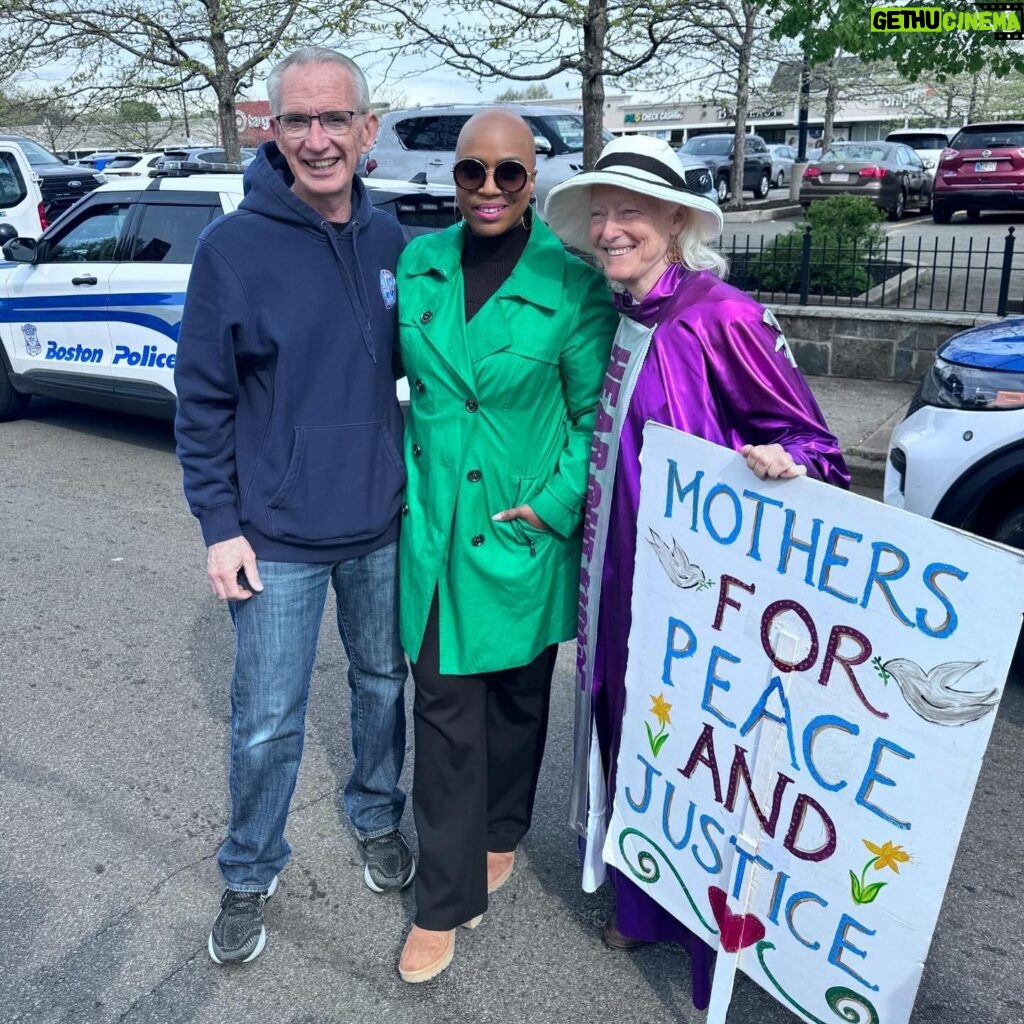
(501, 130)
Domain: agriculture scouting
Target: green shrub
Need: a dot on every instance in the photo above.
(844, 231)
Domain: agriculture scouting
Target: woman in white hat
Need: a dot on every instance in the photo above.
(699, 355)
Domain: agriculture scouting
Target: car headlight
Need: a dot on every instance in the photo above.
(977, 388)
(101, 178)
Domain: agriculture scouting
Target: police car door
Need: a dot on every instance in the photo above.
(56, 307)
(147, 289)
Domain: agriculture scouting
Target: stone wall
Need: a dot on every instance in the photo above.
(870, 344)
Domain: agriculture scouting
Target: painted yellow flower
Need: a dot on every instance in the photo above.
(887, 855)
(660, 709)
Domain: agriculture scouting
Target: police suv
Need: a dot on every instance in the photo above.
(90, 312)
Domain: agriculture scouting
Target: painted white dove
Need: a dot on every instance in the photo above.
(934, 696)
(679, 569)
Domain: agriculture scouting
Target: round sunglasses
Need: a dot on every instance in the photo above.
(510, 176)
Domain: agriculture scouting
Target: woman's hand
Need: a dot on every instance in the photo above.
(771, 462)
(521, 512)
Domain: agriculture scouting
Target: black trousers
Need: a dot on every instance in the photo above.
(479, 745)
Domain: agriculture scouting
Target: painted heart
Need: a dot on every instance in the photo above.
(737, 930)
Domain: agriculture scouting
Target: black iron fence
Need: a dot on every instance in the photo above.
(946, 273)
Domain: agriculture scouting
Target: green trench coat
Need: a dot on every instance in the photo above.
(501, 414)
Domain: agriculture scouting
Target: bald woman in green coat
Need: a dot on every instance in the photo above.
(505, 339)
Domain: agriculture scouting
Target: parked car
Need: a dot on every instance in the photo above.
(958, 456)
(891, 175)
(928, 143)
(90, 312)
(60, 185)
(419, 143)
(783, 158)
(200, 154)
(21, 201)
(983, 169)
(716, 152)
(123, 164)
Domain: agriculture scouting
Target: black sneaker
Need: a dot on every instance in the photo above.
(389, 862)
(238, 935)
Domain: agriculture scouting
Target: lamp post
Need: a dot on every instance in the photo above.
(184, 108)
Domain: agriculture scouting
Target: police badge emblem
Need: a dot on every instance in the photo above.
(388, 288)
(33, 346)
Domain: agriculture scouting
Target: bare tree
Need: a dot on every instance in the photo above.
(530, 41)
(732, 37)
(173, 45)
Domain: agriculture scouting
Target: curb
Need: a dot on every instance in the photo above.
(755, 215)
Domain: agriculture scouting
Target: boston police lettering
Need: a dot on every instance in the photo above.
(807, 709)
(73, 353)
(149, 355)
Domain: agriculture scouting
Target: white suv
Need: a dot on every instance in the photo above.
(419, 143)
(91, 311)
(958, 456)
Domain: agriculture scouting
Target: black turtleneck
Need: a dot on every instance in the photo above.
(486, 263)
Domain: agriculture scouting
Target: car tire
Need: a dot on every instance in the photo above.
(896, 211)
(12, 403)
(974, 215)
(763, 186)
(941, 214)
(780, 181)
(1010, 530)
(722, 188)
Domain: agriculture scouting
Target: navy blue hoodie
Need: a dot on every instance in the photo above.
(288, 428)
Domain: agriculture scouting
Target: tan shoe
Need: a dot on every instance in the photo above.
(499, 869)
(425, 954)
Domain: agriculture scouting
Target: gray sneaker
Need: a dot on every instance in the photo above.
(389, 862)
(238, 935)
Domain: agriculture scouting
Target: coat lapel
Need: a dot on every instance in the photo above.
(440, 311)
(536, 280)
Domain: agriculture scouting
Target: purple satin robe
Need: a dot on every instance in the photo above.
(716, 369)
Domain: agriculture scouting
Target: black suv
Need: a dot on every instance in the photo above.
(61, 186)
(717, 151)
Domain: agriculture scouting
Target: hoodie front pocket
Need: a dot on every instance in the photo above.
(341, 486)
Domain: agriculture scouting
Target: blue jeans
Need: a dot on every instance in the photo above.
(276, 635)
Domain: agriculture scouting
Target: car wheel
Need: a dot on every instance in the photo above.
(974, 214)
(895, 211)
(12, 403)
(763, 185)
(780, 181)
(941, 214)
(722, 188)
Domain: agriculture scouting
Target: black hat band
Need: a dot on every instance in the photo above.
(649, 164)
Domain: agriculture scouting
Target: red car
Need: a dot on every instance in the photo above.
(983, 169)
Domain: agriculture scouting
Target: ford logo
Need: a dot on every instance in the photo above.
(74, 184)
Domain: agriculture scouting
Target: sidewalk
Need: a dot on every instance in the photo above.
(862, 414)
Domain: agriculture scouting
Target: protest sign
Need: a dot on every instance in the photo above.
(813, 678)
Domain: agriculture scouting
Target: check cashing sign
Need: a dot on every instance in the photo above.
(812, 682)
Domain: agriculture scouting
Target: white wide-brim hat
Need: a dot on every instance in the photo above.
(638, 163)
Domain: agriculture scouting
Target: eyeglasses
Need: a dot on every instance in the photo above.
(510, 176)
(333, 122)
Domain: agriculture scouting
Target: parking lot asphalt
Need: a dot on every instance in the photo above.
(114, 669)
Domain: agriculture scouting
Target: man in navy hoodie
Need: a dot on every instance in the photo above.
(289, 433)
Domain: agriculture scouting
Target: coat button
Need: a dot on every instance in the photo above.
(471, 404)
(474, 475)
(417, 450)
(419, 385)
(405, 509)
(427, 317)
(478, 540)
